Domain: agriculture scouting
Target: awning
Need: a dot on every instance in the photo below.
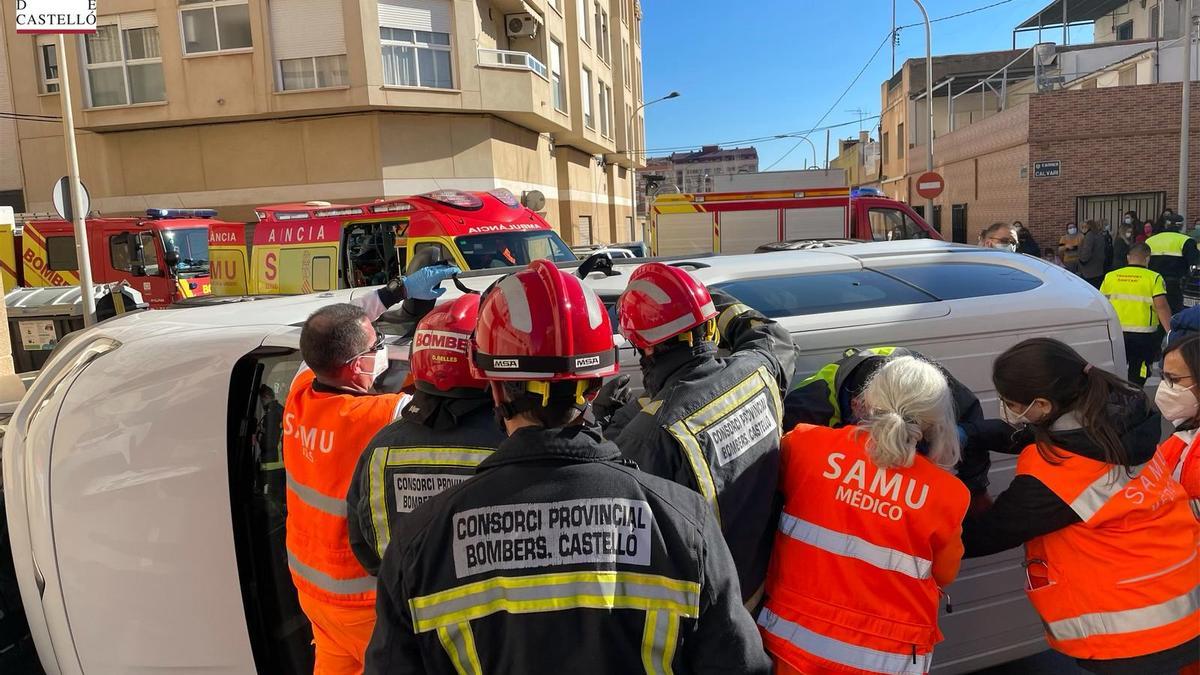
(1078, 11)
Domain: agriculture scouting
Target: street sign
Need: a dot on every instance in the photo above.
(930, 184)
(1047, 169)
(62, 205)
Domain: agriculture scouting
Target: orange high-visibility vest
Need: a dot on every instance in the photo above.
(1180, 453)
(851, 585)
(324, 433)
(1123, 582)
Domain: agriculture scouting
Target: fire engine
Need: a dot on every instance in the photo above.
(740, 222)
(163, 255)
(320, 246)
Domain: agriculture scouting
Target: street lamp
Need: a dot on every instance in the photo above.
(929, 99)
(816, 164)
(629, 149)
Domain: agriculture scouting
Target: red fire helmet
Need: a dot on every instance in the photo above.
(440, 361)
(542, 324)
(661, 302)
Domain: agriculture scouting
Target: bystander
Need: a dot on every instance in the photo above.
(1091, 254)
(1068, 248)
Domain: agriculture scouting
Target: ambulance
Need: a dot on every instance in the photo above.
(163, 255)
(741, 222)
(320, 246)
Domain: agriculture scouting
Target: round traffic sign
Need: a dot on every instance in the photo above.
(930, 184)
(60, 196)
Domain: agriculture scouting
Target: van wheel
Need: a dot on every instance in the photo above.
(17, 653)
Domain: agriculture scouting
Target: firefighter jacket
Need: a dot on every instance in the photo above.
(1110, 553)
(435, 445)
(1181, 456)
(860, 556)
(824, 399)
(559, 556)
(713, 424)
(324, 432)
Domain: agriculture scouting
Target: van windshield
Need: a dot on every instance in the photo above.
(506, 249)
(192, 245)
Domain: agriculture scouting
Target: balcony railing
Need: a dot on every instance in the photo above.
(504, 58)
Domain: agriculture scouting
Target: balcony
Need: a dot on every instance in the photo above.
(516, 86)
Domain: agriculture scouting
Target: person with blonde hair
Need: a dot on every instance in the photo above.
(868, 506)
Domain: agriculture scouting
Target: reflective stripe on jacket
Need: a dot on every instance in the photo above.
(324, 433)
(1181, 456)
(1132, 290)
(405, 465)
(1122, 582)
(559, 557)
(852, 579)
(713, 424)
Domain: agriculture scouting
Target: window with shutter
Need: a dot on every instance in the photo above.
(122, 61)
(309, 43)
(415, 40)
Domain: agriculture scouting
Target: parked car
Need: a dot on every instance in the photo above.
(147, 529)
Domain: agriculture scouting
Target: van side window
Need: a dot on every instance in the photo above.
(893, 225)
(954, 281)
(803, 294)
(321, 272)
(118, 251)
(60, 254)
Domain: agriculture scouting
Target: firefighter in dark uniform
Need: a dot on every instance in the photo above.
(442, 434)
(1173, 254)
(828, 398)
(558, 556)
(710, 423)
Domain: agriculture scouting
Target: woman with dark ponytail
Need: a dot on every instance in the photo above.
(1110, 543)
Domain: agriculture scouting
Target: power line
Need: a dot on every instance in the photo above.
(836, 102)
(29, 117)
(890, 36)
(759, 139)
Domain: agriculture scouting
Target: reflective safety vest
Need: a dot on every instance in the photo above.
(1180, 452)
(851, 586)
(833, 375)
(1168, 244)
(324, 434)
(1123, 582)
(1132, 290)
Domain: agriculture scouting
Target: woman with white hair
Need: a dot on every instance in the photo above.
(870, 531)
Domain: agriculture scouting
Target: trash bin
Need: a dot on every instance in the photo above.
(39, 318)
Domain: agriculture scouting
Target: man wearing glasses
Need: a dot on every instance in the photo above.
(331, 412)
(999, 235)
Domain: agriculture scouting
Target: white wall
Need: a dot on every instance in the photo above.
(780, 180)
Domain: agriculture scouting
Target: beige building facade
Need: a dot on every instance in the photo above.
(231, 104)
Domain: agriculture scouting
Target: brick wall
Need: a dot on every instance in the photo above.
(982, 165)
(1110, 141)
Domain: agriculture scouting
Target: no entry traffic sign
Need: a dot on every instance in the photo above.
(930, 184)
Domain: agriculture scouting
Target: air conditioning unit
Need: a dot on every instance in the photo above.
(521, 25)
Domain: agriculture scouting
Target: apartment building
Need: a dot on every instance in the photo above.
(236, 103)
(697, 171)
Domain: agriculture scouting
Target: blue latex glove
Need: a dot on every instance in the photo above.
(962, 437)
(425, 283)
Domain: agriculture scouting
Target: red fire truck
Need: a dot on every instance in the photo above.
(740, 222)
(318, 246)
(163, 255)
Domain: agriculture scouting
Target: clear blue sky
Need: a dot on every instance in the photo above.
(757, 68)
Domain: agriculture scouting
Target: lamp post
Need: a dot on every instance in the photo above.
(629, 143)
(1185, 110)
(929, 100)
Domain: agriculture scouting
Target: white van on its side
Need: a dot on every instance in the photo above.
(147, 526)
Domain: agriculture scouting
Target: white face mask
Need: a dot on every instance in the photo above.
(1072, 230)
(1129, 221)
(1177, 404)
(1015, 419)
(379, 364)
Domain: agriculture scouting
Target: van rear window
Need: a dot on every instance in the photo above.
(954, 281)
(819, 293)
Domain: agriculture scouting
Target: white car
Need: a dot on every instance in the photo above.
(147, 532)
